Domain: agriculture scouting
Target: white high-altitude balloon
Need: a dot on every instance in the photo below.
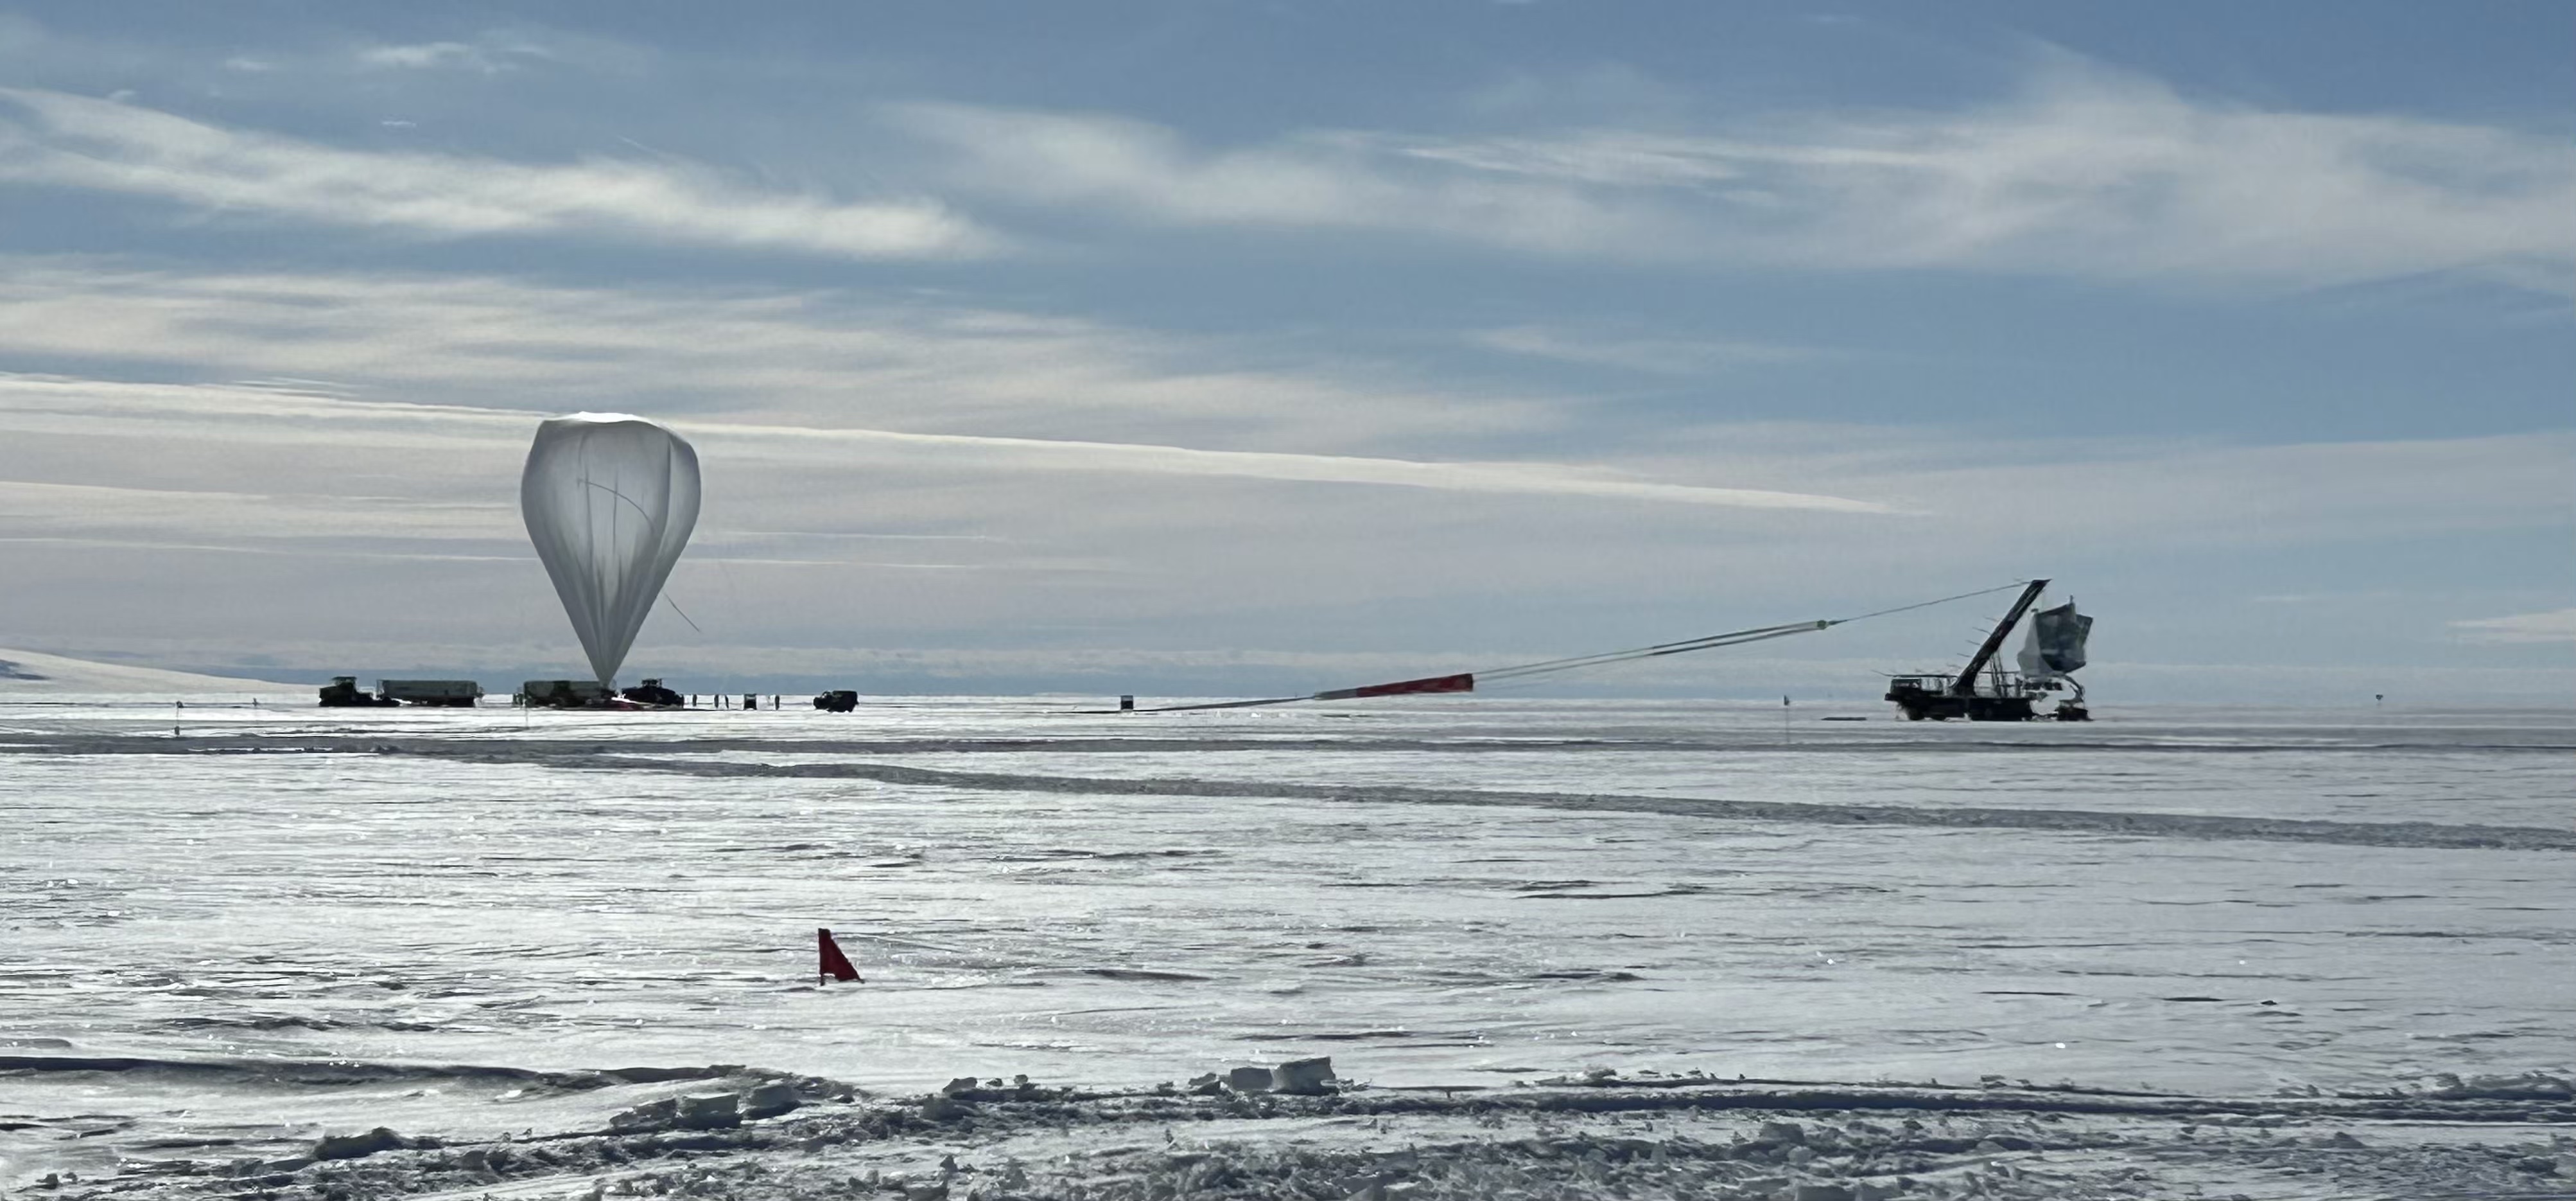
(609, 500)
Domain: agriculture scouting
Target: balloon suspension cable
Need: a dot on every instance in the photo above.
(675, 607)
(1467, 681)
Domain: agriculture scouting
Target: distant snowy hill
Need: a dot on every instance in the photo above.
(29, 672)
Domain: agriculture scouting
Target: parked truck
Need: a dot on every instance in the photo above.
(652, 695)
(343, 692)
(562, 694)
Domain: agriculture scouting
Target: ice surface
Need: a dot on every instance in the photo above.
(28, 675)
(287, 924)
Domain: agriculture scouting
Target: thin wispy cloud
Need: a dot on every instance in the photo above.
(1326, 180)
(300, 550)
(484, 58)
(814, 358)
(2557, 625)
(2089, 171)
(32, 506)
(57, 406)
(2202, 496)
(794, 382)
(1651, 356)
(73, 142)
(504, 50)
(1525, 478)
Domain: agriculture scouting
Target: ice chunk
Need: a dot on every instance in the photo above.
(708, 1111)
(1248, 1080)
(652, 1115)
(2535, 1086)
(769, 1101)
(358, 1146)
(1304, 1077)
(1781, 1134)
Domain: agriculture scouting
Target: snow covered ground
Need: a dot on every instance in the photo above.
(1552, 949)
(26, 675)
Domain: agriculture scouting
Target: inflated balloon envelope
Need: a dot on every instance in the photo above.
(609, 501)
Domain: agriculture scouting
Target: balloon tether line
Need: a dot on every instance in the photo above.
(1468, 681)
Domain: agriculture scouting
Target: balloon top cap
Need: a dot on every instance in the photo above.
(602, 418)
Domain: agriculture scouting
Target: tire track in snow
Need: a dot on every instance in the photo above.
(2433, 835)
(609, 755)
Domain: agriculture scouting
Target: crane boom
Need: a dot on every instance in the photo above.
(1966, 684)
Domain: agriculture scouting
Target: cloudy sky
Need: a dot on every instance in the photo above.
(1217, 347)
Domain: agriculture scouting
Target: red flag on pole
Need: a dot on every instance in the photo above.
(833, 965)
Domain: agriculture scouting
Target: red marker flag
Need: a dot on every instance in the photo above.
(833, 965)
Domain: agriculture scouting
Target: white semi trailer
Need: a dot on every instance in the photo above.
(460, 694)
